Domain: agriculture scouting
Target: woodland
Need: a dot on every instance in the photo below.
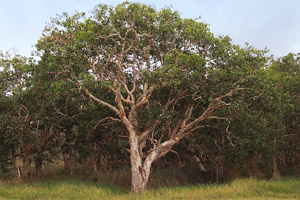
(136, 88)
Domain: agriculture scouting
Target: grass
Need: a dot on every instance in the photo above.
(79, 187)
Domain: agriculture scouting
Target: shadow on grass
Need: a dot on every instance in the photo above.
(93, 187)
(75, 184)
(79, 181)
(113, 182)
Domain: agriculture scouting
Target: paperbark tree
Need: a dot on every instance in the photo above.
(152, 62)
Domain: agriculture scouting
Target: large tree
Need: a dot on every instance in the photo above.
(167, 74)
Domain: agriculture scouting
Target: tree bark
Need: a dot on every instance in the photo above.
(138, 181)
(276, 175)
(141, 169)
(97, 163)
(44, 137)
(69, 161)
(72, 162)
(25, 167)
(66, 161)
(38, 169)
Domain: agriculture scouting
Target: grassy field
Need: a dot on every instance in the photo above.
(81, 188)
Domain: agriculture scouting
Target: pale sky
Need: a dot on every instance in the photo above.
(274, 24)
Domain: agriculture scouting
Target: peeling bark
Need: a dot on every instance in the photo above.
(140, 169)
(138, 183)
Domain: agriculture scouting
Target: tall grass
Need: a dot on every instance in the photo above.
(59, 188)
(83, 187)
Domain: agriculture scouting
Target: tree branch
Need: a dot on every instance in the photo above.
(100, 101)
(106, 118)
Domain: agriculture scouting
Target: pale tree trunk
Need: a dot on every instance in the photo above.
(141, 169)
(140, 172)
(138, 180)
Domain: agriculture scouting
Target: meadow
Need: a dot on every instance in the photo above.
(82, 187)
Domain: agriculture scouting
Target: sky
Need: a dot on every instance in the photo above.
(271, 24)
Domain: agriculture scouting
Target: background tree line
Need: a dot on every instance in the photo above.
(130, 85)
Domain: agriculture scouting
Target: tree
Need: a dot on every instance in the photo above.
(167, 74)
(7, 139)
(13, 77)
(286, 70)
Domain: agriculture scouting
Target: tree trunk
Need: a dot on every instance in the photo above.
(40, 157)
(140, 169)
(25, 167)
(139, 175)
(39, 162)
(38, 169)
(96, 157)
(140, 166)
(276, 175)
(72, 163)
(138, 182)
(69, 161)
(66, 161)
(97, 163)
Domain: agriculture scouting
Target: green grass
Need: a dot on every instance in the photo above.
(63, 187)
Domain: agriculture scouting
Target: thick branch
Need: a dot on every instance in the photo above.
(106, 118)
(164, 110)
(217, 103)
(101, 102)
(146, 95)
